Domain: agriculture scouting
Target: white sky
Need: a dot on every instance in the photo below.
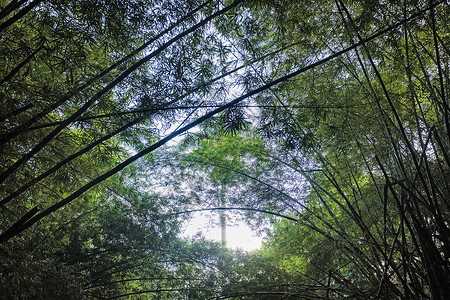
(239, 235)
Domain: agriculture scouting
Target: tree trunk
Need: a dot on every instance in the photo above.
(223, 219)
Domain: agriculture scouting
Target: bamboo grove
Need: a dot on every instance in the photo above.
(325, 124)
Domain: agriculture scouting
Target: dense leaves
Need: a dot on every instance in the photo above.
(328, 120)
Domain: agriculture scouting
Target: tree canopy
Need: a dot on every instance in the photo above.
(325, 124)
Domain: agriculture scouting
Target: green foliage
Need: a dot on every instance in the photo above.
(223, 155)
(354, 147)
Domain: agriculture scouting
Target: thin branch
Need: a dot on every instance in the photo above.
(153, 291)
(234, 208)
(20, 66)
(19, 15)
(16, 112)
(14, 4)
(152, 110)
